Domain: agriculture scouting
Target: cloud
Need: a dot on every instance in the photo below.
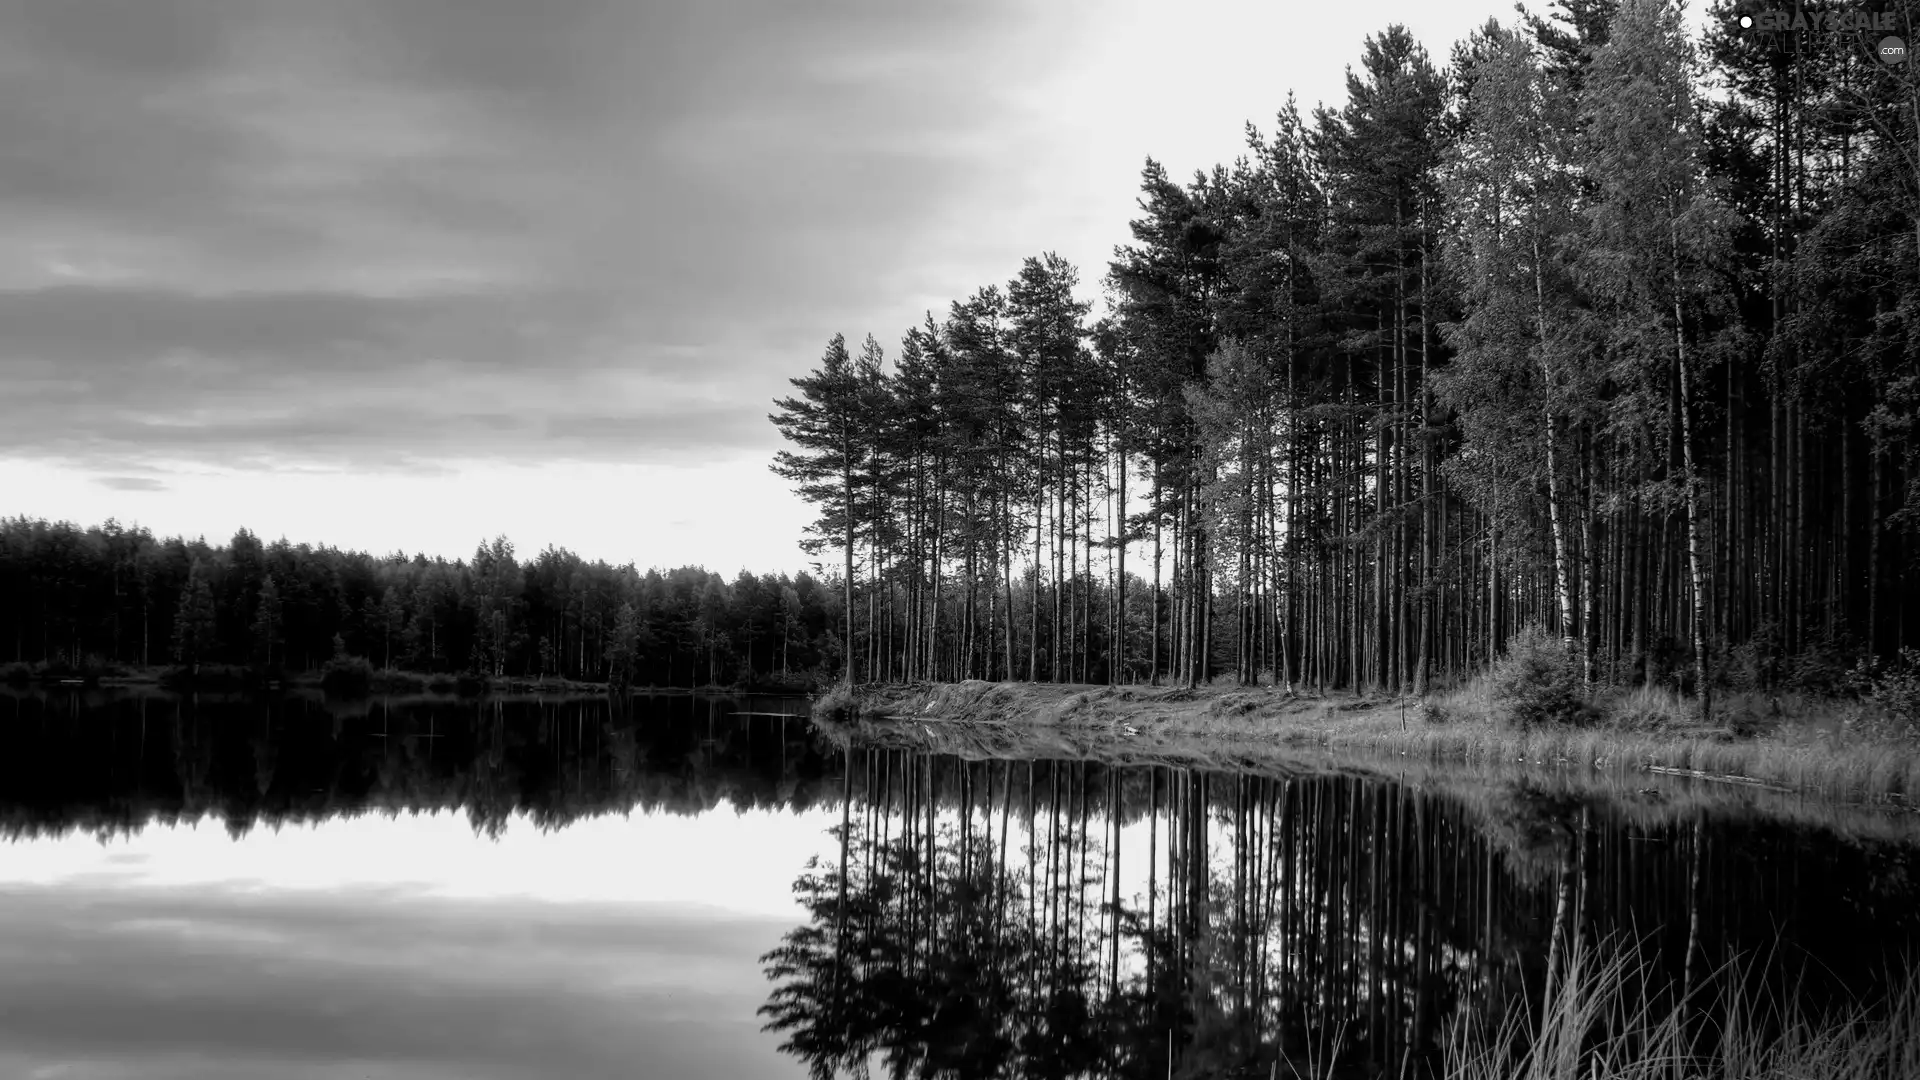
(395, 234)
(123, 373)
(130, 483)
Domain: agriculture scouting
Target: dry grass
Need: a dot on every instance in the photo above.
(1805, 747)
(1646, 799)
(1803, 761)
(1648, 708)
(1605, 1020)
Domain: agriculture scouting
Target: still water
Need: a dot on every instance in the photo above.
(692, 887)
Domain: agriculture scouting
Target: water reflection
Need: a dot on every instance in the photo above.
(1053, 919)
(107, 761)
(601, 888)
(413, 890)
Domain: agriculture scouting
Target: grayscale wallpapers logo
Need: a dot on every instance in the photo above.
(1891, 50)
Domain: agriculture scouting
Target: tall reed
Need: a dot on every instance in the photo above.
(1606, 1018)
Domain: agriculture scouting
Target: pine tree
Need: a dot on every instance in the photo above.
(1045, 338)
(393, 621)
(622, 647)
(826, 424)
(267, 620)
(496, 587)
(1382, 153)
(193, 624)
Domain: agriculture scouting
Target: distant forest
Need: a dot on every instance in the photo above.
(86, 598)
(1549, 334)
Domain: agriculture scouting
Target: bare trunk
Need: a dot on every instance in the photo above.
(846, 488)
(1561, 593)
(1033, 605)
(1006, 554)
(1120, 576)
(1704, 689)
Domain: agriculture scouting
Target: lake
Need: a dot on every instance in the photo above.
(682, 886)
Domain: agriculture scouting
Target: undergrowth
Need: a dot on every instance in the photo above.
(1891, 693)
(1537, 682)
(347, 676)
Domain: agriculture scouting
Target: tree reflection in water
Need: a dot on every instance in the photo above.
(983, 919)
(999, 918)
(112, 762)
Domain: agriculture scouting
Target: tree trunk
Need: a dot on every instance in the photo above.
(1153, 659)
(1033, 605)
(1006, 552)
(1704, 688)
(846, 489)
(1553, 475)
(1120, 587)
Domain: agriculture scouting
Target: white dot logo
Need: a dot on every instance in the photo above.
(1746, 22)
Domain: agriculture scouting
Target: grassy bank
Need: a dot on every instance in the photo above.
(1797, 747)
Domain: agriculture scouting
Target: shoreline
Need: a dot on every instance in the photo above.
(1794, 759)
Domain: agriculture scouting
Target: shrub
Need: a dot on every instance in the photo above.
(16, 674)
(347, 676)
(837, 704)
(1749, 714)
(209, 677)
(389, 681)
(1892, 693)
(1825, 668)
(1756, 663)
(1665, 662)
(798, 682)
(1537, 682)
(90, 668)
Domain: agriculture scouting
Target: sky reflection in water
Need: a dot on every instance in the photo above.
(405, 947)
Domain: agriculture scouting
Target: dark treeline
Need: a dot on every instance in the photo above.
(112, 595)
(1008, 918)
(1542, 334)
(254, 761)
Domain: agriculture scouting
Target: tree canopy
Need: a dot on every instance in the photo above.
(1547, 335)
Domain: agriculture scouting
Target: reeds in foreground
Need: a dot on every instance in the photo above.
(1605, 1019)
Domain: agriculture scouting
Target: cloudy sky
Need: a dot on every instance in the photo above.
(404, 274)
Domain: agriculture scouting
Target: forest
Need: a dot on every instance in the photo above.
(84, 600)
(1591, 326)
